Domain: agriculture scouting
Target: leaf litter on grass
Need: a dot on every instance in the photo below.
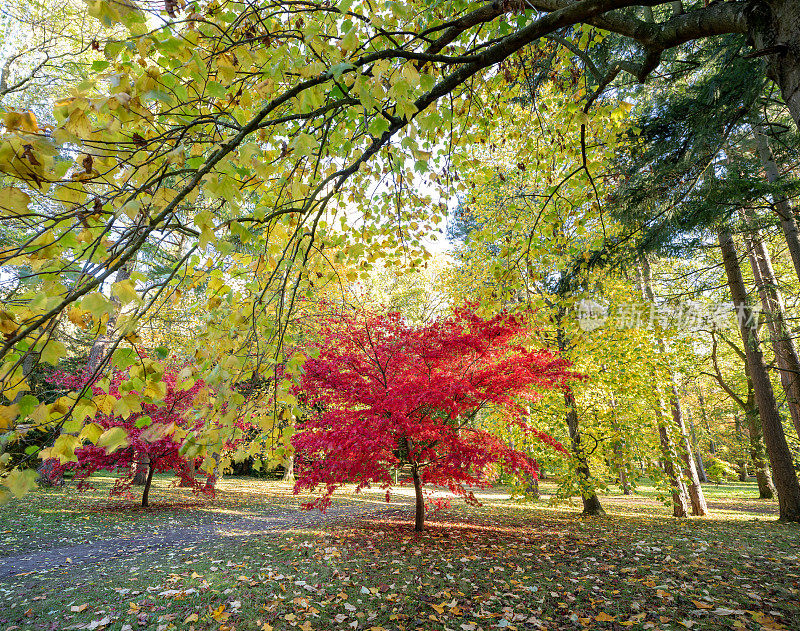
(501, 566)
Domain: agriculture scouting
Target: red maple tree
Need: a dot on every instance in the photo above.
(151, 434)
(384, 394)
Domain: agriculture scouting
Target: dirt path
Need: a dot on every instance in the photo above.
(104, 550)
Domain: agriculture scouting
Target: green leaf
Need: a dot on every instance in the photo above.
(97, 304)
(216, 90)
(27, 404)
(124, 358)
(143, 421)
(125, 290)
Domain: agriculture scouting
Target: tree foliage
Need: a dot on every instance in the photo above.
(385, 394)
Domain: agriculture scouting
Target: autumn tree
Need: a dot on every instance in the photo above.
(127, 429)
(262, 123)
(386, 394)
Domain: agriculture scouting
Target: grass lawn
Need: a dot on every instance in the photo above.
(501, 565)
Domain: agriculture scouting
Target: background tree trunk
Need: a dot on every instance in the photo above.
(142, 471)
(591, 503)
(699, 506)
(288, 469)
(782, 207)
(148, 483)
(772, 304)
(419, 506)
(780, 456)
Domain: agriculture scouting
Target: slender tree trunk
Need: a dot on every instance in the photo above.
(147, 484)
(591, 503)
(142, 471)
(288, 469)
(783, 345)
(699, 506)
(712, 446)
(419, 512)
(701, 469)
(621, 469)
(780, 456)
(680, 491)
(680, 497)
(617, 447)
(741, 458)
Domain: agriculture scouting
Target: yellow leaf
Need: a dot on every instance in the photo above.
(125, 290)
(8, 413)
(64, 448)
(105, 403)
(219, 614)
(53, 352)
(79, 608)
(20, 481)
(13, 202)
(191, 618)
(603, 617)
(113, 439)
(701, 605)
(91, 432)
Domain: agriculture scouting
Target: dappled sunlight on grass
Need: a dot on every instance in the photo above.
(534, 565)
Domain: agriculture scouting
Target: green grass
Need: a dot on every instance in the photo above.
(502, 565)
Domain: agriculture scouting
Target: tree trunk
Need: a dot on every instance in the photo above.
(780, 456)
(772, 304)
(741, 459)
(142, 471)
(533, 489)
(188, 473)
(419, 515)
(766, 490)
(699, 507)
(701, 469)
(680, 493)
(774, 27)
(288, 469)
(712, 446)
(622, 471)
(680, 497)
(591, 503)
(782, 208)
(147, 484)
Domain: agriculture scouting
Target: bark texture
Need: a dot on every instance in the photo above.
(780, 456)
